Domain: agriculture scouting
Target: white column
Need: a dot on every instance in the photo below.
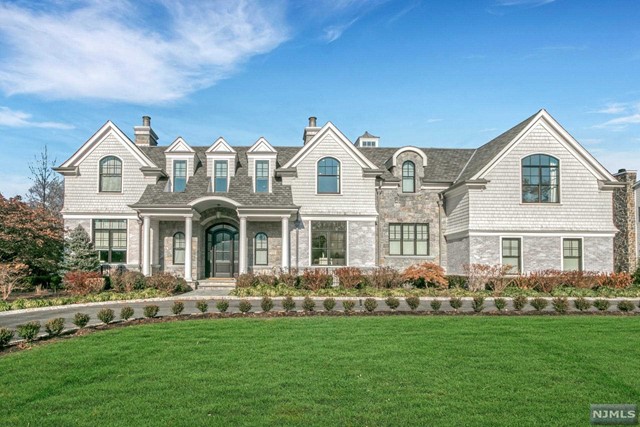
(146, 245)
(242, 262)
(188, 237)
(285, 243)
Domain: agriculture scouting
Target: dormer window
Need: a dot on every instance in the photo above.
(111, 175)
(262, 176)
(328, 176)
(220, 180)
(179, 176)
(408, 177)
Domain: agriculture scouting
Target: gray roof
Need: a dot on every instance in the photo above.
(366, 134)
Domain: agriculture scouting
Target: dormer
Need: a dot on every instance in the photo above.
(366, 140)
(407, 166)
(261, 159)
(180, 164)
(221, 165)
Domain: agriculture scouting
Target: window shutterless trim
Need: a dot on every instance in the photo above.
(101, 174)
(415, 239)
(110, 249)
(183, 249)
(256, 249)
(337, 175)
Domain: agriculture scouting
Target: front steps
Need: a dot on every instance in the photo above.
(217, 283)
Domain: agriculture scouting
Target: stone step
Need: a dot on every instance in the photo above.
(222, 283)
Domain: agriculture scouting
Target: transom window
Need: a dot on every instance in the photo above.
(111, 175)
(178, 248)
(179, 175)
(262, 176)
(328, 176)
(408, 177)
(409, 239)
(540, 179)
(511, 254)
(220, 176)
(261, 249)
(328, 242)
(572, 254)
(110, 239)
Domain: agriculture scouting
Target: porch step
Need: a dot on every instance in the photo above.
(221, 283)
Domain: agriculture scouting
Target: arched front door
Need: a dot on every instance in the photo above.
(222, 251)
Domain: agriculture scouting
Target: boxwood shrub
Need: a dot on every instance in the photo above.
(478, 303)
(455, 303)
(392, 302)
(539, 303)
(177, 308)
(329, 304)
(29, 331)
(582, 304)
(519, 302)
(413, 302)
(601, 304)
(308, 304)
(222, 305)
(5, 336)
(244, 306)
(436, 305)
(348, 305)
(54, 327)
(202, 306)
(370, 304)
(81, 320)
(106, 315)
(151, 311)
(266, 304)
(126, 313)
(288, 304)
(560, 304)
(500, 303)
(626, 306)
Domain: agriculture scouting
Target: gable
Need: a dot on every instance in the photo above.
(179, 146)
(261, 146)
(220, 146)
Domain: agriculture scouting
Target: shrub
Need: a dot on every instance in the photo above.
(457, 282)
(266, 304)
(539, 303)
(246, 280)
(308, 304)
(478, 303)
(5, 336)
(266, 279)
(83, 282)
(560, 304)
(545, 280)
(222, 305)
(106, 315)
(348, 305)
(500, 303)
(601, 304)
(166, 282)
(29, 331)
(392, 302)
(413, 302)
(317, 278)
(288, 304)
(177, 308)
(481, 276)
(519, 302)
(202, 306)
(54, 327)
(370, 304)
(81, 320)
(427, 273)
(436, 305)
(151, 311)
(455, 303)
(329, 304)
(582, 304)
(289, 278)
(626, 306)
(244, 306)
(615, 280)
(385, 278)
(126, 313)
(127, 281)
(349, 277)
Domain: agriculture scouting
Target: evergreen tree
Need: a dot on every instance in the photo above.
(79, 253)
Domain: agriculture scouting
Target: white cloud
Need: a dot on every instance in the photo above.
(530, 3)
(613, 108)
(113, 51)
(334, 32)
(19, 119)
(629, 111)
(622, 121)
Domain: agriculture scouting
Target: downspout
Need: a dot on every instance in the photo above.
(378, 224)
(139, 242)
(440, 207)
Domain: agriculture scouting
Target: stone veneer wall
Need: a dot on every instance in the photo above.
(273, 231)
(624, 218)
(167, 230)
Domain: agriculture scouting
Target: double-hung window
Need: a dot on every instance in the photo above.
(262, 176)
(179, 175)
(110, 239)
(572, 254)
(512, 254)
(179, 245)
(328, 242)
(408, 177)
(220, 179)
(110, 175)
(409, 239)
(261, 249)
(328, 176)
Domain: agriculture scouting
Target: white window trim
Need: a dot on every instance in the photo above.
(173, 169)
(213, 176)
(521, 250)
(562, 239)
(269, 173)
(121, 176)
(340, 176)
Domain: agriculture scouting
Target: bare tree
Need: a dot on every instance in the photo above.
(47, 190)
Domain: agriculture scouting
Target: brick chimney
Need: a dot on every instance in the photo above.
(311, 130)
(624, 218)
(145, 136)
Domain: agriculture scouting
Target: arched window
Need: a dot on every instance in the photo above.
(178, 248)
(111, 174)
(540, 179)
(262, 249)
(328, 176)
(408, 177)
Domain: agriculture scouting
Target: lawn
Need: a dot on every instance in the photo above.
(393, 370)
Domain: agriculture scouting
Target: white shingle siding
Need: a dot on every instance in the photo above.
(457, 211)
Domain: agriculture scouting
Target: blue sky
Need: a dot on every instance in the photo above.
(426, 73)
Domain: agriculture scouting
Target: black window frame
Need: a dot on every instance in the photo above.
(175, 176)
(528, 169)
(263, 179)
(322, 171)
(401, 238)
(109, 251)
(330, 230)
(176, 249)
(519, 257)
(409, 178)
(580, 253)
(109, 174)
(256, 249)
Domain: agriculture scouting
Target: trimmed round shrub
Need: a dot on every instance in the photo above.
(177, 308)
(106, 315)
(308, 304)
(288, 304)
(348, 305)
(370, 304)
(329, 304)
(222, 305)
(455, 303)
(392, 302)
(244, 306)
(202, 306)
(500, 303)
(412, 302)
(266, 304)
(81, 320)
(126, 313)
(626, 306)
(5, 336)
(539, 303)
(560, 304)
(29, 331)
(54, 326)
(582, 304)
(127, 281)
(435, 304)
(478, 303)
(519, 302)
(151, 311)
(601, 304)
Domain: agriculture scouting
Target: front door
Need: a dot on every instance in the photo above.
(222, 251)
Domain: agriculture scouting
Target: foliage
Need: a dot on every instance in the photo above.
(289, 278)
(428, 272)
(266, 279)
(126, 312)
(435, 304)
(329, 304)
(246, 280)
(316, 278)
(456, 281)
(560, 304)
(54, 327)
(127, 281)
(266, 304)
(222, 305)
(500, 303)
(482, 276)
(308, 304)
(626, 305)
(202, 306)
(519, 302)
(166, 282)
(79, 254)
(177, 308)
(83, 282)
(385, 278)
(29, 331)
(455, 303)
(288, 304)
(478, 303)
(615, 280)
(601, 304)
(636, 275)
(370, 304)
(392, 302)
(150, 310)
(348, 305)
(582, 304)
(539, 303)
(244, 306)
(12, 274)
(81, 319)
(106, 315)
(349, 277)
(413, 302)
(5, 336)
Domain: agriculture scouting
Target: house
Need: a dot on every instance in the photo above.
(532, 198)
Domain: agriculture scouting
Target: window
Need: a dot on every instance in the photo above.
(511, 254)
(328, 176)
(572, 254)
(540, 179)
(178, 248)
(179, 176)
(220, 176)
(368, 143)
(111, 175)
(262, 249)
(408, 177)
(328, 242)
(262, 176)
(409, 239)
(110, 239)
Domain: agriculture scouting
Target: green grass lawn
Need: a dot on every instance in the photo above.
(402, 370)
